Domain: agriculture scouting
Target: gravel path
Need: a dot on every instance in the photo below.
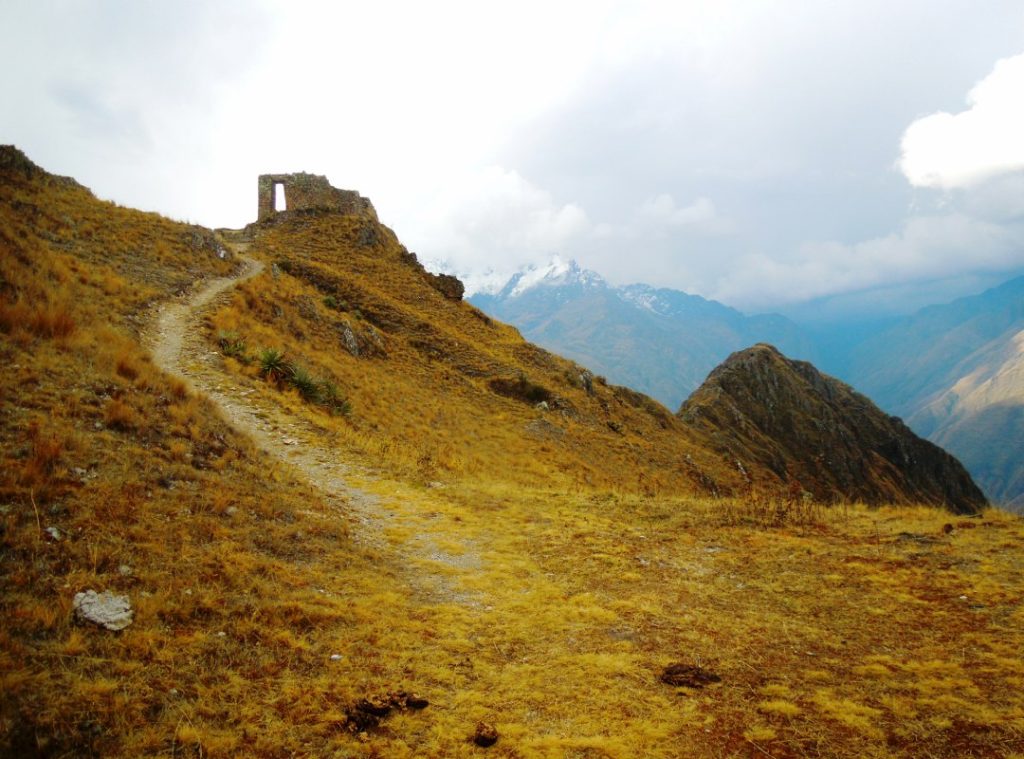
(176, 342)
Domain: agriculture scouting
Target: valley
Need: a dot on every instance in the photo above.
(952, 371)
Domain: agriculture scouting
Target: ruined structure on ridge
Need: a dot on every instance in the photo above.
(306, 192)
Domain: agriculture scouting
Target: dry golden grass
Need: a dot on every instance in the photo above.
(433, 389)
(542, 589)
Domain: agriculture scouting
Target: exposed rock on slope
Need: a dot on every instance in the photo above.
(784, 416)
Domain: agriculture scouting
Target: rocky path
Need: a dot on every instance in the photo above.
(177, 345)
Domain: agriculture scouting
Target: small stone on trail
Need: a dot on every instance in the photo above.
(105, 609)
(688, 675)
(485, 735)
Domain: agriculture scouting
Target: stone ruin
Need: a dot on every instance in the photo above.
(311, 192)
(306, 192)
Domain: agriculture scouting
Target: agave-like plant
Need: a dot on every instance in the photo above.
(273, 366)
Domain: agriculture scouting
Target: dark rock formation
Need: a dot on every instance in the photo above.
(767, 412)
(449, 286)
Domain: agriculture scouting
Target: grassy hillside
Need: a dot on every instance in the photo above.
(536, 570)
(437, 390)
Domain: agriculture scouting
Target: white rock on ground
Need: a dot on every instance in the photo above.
(105, 609)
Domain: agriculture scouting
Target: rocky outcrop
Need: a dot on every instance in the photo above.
(14, 164)
(797, 426)
(449, 286)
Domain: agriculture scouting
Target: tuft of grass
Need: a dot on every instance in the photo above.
(333, 400)
(118, 415)
(52, 320)
(308, 386)
(233, 346)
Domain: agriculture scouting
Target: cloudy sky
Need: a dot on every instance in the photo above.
(814, 157)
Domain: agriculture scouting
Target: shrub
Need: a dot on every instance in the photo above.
(273, 366)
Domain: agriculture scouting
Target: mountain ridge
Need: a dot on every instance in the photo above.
(807, 427)
(659, 341)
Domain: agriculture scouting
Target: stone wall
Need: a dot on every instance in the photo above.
(307, 192)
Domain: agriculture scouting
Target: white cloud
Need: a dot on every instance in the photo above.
(495, 218)
(946, 150)
(926, 248)
(662, 209)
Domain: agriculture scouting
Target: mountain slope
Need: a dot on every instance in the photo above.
(980, 417)
(927, 353)
(955, 373)
(806, 427)
(659, 341)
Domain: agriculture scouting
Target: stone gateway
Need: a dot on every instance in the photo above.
(306, 192)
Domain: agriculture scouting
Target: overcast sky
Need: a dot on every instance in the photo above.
(766, 154)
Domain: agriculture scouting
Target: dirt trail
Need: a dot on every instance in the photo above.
(177, 345)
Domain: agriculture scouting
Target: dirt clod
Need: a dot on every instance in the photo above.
(376, 705)
(485, 735)
(688, 675)
(415, 701)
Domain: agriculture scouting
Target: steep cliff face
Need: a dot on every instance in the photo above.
(785, 417)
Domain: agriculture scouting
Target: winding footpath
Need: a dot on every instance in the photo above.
(176, 343)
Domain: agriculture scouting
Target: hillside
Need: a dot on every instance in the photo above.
(437, 389)
(820, 434)
(953, 371)
(981, 417)
(659, 341)
(376, 541)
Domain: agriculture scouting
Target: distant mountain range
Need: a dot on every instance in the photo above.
(659, 341)
(954, 372)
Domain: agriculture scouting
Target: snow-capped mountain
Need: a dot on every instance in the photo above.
(660, 341)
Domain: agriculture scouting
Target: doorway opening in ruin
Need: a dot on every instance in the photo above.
(280, 204)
